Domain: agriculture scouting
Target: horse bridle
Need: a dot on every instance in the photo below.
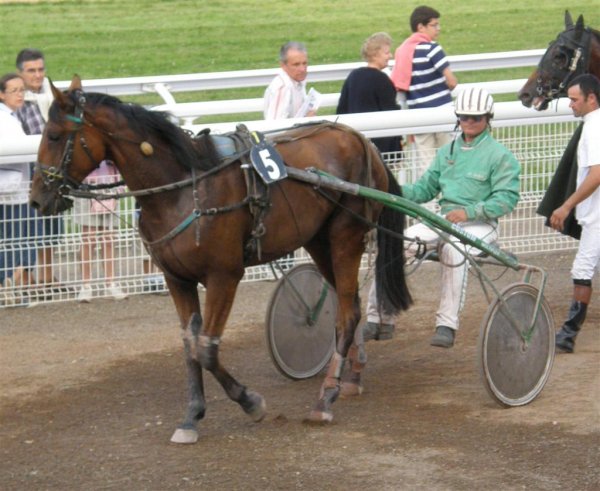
(578, 57)
(51, 173)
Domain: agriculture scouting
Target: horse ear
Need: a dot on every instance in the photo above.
(568, 20)
(75, 83)
(58, 95)
(579, 26)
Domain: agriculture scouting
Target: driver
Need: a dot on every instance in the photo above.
(477, 180)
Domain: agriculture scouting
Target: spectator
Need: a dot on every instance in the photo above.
(97, 220)
(16, 256)
(369, 89)
(477, 179)
(33, 116)
(584, 93)
(286, 96)
(422, 75)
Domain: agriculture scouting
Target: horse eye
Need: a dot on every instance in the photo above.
(54, 137)
(560, 60)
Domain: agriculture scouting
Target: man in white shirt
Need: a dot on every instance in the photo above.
(584, 93)
(31, 66)
(286, 94)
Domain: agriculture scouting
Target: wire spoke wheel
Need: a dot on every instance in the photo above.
(515, 364)
(300, 323)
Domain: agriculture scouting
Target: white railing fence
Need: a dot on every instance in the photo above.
(165, 85)
(538, 144)
(537, 139)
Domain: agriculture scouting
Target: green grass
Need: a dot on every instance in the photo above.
(108, 38)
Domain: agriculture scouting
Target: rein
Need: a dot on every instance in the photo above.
(71, 187)
(87, 190)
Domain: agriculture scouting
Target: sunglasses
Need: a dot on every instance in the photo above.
(466, 117)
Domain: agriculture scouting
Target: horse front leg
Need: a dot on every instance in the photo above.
(187, 304)
(220, 293)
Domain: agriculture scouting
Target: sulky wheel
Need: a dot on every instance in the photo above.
(515, 367)
(300, 323)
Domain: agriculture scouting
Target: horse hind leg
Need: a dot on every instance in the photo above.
(348, 316)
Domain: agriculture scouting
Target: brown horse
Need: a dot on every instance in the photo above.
(203, 221)
(576, 50)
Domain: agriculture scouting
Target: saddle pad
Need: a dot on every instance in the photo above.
(224, 145)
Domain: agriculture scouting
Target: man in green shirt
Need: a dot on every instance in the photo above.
(477, 180)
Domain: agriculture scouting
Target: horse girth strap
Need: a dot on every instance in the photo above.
(257, 193)
(195, 215)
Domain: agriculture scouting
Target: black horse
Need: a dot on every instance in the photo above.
(576, 50)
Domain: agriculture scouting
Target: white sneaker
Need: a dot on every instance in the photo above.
(115, 291)
(85, 294)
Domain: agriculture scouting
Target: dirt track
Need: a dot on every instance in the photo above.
(90, 395)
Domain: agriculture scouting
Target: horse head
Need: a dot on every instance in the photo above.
(566, 57)
(71, 148)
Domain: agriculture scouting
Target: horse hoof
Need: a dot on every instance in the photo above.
(185, 436)
(319, 417)
(258, 409)
(349, 389)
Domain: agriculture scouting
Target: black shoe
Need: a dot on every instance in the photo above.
(377, 331)
(565, 340)
(443, 337)
(565, 337)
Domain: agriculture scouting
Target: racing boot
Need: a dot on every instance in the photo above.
(565, 337)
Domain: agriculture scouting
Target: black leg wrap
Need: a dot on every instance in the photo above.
(208, 353)
(197, 405)
(565, 337)
(246, 401)
(582, 282)
(190, 336)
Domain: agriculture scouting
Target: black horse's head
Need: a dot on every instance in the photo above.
(565, 58)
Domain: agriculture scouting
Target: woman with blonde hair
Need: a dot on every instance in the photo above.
(369, 88)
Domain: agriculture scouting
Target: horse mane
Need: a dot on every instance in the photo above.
(157, 125)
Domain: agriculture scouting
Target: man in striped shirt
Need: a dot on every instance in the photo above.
(423, 76)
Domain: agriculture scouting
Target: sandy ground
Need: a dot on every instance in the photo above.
(90, 395)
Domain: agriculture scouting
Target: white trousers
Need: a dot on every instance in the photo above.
(427, 144)
(587, 259)
(454, 268)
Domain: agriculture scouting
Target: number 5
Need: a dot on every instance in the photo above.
(270, 165)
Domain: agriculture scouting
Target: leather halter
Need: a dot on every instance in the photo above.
(51, 173)
(577, 60)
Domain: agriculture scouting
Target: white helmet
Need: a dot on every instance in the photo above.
(474, 102)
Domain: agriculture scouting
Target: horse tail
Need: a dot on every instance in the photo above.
(390, 281)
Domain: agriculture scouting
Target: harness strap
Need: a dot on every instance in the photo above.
(191, 218)
(257, 191)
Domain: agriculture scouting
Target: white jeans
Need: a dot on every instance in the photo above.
(427, 144)
(454, 269)
(587, 259)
